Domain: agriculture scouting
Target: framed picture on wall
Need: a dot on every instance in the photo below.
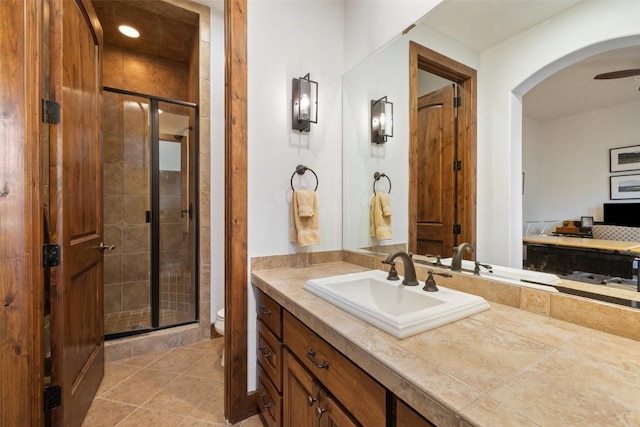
(625, 187)
(624, 158)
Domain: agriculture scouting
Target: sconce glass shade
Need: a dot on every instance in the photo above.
(381, 120)
(304, 103)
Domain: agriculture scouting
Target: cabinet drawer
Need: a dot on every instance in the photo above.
(268, 399)
(269, 355)
(269, 312)
(360, 394)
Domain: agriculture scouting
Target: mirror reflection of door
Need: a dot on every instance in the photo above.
(442, 161)
(436, 176)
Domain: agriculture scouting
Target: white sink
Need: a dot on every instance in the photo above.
(400, 310)
(514, 276)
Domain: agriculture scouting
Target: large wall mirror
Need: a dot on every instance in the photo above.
(536, 114)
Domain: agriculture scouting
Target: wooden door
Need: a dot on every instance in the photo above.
(300, 394)
(76, 208)
(436, 189)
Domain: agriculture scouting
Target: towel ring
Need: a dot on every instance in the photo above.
(300, 170)
(376, 178)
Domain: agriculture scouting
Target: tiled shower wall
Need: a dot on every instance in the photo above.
(126, 198)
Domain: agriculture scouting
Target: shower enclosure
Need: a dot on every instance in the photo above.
(150, 204)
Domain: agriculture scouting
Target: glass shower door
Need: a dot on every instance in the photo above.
(177, 219)
(127, 177)
(150, 205)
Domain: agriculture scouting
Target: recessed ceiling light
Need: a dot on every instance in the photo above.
(129, 31)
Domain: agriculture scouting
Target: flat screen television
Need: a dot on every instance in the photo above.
(627, 214)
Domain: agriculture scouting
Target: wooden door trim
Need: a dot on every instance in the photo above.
(422, 58)
(21, 274)
(239, 404)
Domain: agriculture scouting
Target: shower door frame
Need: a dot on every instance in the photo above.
(154, 243)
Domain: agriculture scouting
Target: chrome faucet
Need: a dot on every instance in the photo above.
(456, 261)
(409, 268)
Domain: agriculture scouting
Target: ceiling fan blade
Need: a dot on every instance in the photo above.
(618, 74)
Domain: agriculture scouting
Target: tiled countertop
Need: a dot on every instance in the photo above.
(501, 367)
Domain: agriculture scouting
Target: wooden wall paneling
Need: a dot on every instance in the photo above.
(21, 275)
(238, 403)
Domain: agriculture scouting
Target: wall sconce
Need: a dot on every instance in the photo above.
(381, 120)
(305, 104)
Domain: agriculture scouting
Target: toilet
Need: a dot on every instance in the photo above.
(218, 325)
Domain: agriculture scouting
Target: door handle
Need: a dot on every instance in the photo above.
(104, 247)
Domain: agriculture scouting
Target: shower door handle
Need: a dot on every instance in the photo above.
(104, 247)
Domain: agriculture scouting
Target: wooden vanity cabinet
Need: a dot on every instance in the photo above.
(306, 403)
(269, 357)
(408, 417)
(305, 382)
(300, 391)
(362, 396)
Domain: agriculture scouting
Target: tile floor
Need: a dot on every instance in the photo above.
(176, 387)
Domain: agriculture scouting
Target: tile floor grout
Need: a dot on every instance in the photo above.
(179, 387)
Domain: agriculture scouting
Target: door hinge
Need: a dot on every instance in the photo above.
(457, 229)
(52, 397)
(50, 255)
(457, 165)
(457, 101)
(50, 112)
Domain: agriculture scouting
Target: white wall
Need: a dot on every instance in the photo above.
(288, 39)
(368, 24)
(506, 72)
(217, 158)
(566, 161)
(277, 52)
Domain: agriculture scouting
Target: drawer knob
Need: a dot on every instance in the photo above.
(311, 400)
(311, 354)
(266, 405)
(320, 411)
(264, 352)
(264, 310)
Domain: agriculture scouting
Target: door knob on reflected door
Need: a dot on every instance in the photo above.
(104, 247)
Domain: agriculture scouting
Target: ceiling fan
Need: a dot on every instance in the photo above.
(618, 74)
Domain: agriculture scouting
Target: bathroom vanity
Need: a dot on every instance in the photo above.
(304, 381)
(504, 366)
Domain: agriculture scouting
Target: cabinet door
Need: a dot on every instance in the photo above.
(330, 414)
(300, 394)
(407, 417)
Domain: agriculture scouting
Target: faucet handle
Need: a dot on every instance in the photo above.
(478, 264)
(437, 257)
(430, 283)
(393, 273)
